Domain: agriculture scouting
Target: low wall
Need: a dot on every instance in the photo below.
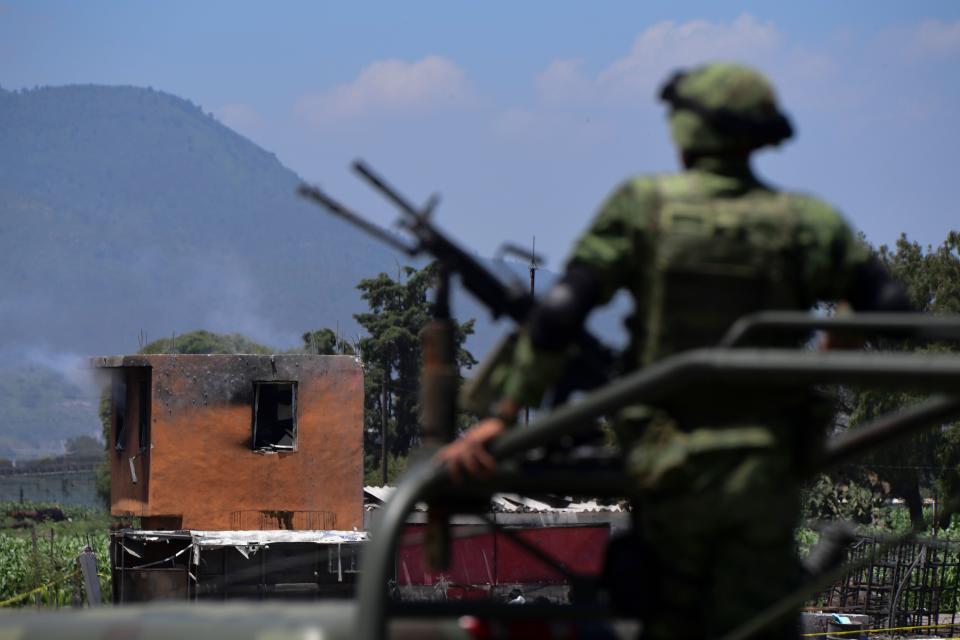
(63, 487)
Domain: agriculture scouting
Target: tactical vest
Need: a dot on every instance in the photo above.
(711, 260)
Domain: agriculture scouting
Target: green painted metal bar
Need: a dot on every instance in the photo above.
(757, 368)
(760, 369)
(885, 429)
(900, 325)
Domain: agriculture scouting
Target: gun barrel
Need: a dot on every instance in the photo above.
(499, 298)
(381, 185)
(353, 218)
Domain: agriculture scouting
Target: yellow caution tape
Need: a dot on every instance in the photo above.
(39, 589)
(858, 631)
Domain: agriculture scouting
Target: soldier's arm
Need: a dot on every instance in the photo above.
(603, 260)
(874, 289)
(599, 265)
(839, 266)
(842, 268)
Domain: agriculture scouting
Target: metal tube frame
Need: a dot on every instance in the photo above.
(901, 325)
(764, 368)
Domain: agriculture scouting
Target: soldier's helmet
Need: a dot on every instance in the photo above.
(721, 107)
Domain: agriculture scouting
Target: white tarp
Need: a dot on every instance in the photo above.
(251, 538)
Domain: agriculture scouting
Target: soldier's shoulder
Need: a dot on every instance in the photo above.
(656, 187)
(630, 199)
(812, 210)
(641, 187)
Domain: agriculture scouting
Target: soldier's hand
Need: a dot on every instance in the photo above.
(833, 341)
(840, 341)
(468, 455)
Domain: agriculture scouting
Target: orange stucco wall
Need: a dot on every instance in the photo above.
(201, 472)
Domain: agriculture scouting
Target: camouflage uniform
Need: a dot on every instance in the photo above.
(718, 475)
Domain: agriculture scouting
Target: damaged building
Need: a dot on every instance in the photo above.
(245, 474)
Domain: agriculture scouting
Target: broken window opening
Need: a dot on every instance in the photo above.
(119, 402)
(144, 402)
(275, 416)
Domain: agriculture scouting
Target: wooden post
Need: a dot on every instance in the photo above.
(91, 582)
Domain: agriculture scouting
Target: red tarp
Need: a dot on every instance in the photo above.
(480, 557)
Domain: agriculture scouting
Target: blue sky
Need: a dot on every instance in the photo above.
(525, 115)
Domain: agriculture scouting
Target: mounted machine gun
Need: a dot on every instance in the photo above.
(593, 361)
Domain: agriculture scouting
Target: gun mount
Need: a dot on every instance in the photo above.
(593, 361)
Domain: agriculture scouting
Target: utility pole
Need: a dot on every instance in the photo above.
(533, 279)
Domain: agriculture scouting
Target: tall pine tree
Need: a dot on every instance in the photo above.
(399, 310)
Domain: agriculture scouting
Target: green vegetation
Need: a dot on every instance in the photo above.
(54, 558)
(372, 469)
(926, 464)
(326, 342)
(201, 341)
(399, 311)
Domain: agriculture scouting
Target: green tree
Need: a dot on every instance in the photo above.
(930, 459)
(83, 446)
(851, 493)
(399, 310)
(326, 342)
(372, 473)
(201, 341)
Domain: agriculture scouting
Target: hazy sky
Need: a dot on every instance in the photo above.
(525, 115)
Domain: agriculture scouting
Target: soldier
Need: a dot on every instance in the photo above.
(718, 474)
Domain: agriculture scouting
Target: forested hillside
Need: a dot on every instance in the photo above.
(42, 409)
(128, 215)
(125, 210)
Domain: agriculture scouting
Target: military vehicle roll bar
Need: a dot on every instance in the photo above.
(754, 367)
(899, 325)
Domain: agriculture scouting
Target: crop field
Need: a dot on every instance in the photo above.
(39, 546)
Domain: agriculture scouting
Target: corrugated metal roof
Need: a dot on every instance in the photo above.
(380, 493)
(513, 503)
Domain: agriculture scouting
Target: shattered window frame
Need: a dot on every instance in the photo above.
(118, 406)
(294, 430)
(144, 401)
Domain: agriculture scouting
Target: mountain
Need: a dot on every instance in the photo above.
(42, 409)
(125, 209)
(128, 214)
